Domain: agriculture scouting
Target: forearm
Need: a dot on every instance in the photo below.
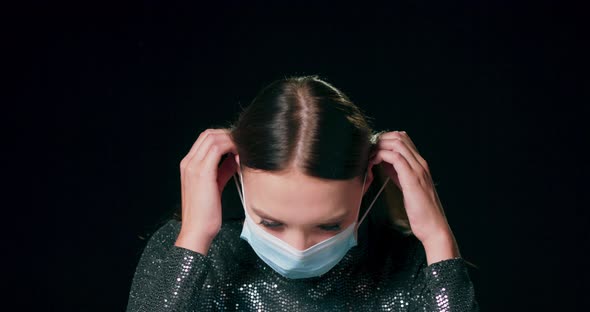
(441, 247)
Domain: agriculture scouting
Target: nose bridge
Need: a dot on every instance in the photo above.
(297, 239)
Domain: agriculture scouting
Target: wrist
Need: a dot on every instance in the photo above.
(194, 241)
(441, 246)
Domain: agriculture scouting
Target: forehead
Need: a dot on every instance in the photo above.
(298, 198)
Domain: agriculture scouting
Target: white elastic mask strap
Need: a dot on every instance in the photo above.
(374, 199)
(243, 196)
(361, 197)
(240, 190)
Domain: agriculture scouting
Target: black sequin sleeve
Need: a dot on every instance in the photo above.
(167, 276)
(233, 278)
(443, 286)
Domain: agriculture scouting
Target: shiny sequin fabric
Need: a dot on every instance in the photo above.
(386, 271)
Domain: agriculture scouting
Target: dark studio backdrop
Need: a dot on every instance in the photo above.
(115, 94)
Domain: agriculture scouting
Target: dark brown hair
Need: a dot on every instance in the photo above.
(307, 123)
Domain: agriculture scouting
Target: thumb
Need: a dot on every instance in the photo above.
(225, 171)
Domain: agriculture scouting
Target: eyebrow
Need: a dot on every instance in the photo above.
(332, 220)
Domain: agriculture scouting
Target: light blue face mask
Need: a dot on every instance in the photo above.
(291, 262)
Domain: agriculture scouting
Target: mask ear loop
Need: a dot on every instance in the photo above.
(361, 200)
(371, 205)
(239, 190)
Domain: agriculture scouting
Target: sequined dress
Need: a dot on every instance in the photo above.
(386, 271)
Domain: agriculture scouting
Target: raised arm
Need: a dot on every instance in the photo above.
(167, 277)
(174, 265)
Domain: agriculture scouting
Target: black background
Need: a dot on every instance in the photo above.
(114, 95)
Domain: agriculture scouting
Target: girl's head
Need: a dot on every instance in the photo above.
(303, 149)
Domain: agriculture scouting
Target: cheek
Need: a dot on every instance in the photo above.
(350, 219)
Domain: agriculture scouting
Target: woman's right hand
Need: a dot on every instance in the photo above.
(202, 183)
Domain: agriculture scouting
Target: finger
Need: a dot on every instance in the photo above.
(226, 170)
(400, 146)
(200, 140)
(415, 150)
(408, 140)
(404, 137)
(211, 159)
(405, 173)
(211, 139)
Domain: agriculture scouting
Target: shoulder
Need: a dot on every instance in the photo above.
(225, 241)
(167, 233)
(227, 247)
(161, 240)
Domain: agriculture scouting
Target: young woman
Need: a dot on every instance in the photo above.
(309, 169)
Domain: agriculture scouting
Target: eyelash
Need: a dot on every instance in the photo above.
(272, 225)
(330, 228)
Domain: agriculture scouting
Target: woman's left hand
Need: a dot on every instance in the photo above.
(409, 171)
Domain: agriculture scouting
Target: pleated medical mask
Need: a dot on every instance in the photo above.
(291, 262)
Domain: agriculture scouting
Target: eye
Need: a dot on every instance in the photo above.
(269, 224)
(330, 227)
